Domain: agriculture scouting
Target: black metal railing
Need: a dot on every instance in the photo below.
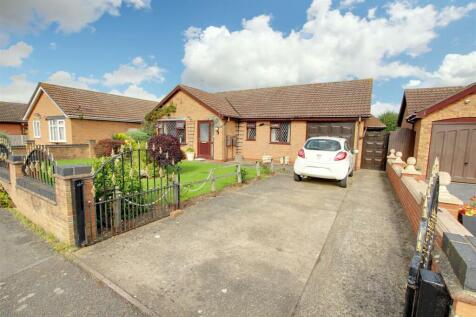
(421, 300)
(40, 165)
(132, 189)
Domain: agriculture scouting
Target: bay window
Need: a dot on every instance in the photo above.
(174, 128)
(57, 131)
(280, 132)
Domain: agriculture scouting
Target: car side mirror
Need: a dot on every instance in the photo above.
(355, 151)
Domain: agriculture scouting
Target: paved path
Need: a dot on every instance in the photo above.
(36, 281)
(274, 248)
(363, 267)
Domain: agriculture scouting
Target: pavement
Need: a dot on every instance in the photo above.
(273, 248)
(463, 191)
(36, 281)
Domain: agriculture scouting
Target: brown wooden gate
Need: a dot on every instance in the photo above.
(455, 145)
(375, 150)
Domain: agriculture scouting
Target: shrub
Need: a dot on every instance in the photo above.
(165, 149)
(190, 150)
(138, 135)
(5, 201)
(120, 136)
(104, 147)
(390, 119)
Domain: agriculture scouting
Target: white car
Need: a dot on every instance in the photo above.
(325, 157)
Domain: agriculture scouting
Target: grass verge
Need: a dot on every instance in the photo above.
(55, 244)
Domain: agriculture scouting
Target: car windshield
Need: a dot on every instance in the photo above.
(322, 145)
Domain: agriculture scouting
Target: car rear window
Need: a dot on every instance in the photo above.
(322, 145)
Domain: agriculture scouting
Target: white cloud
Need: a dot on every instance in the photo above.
(380, 107)
(330, 46)
(454, 70)
(350, 3)
(136, 92)
(452, 13)
(19, 89)
(134, 73)
(15, 54)
(69, 79)
(69, 16)
(53, 46)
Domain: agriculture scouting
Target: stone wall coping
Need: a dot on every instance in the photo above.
(72, 170)
(18, 186)
(415, 187)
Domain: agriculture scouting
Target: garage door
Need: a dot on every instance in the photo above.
(336, 129)
(455, 145)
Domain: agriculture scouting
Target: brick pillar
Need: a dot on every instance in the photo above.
(89, 210)
(15, 172)
(64, 207)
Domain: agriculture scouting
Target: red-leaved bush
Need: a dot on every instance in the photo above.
(104, 147)
(165, 149)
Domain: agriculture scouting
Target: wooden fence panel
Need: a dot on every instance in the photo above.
(402, 140)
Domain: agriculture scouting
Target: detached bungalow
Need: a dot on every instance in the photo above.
(269, 121)
(65, 115)
(444, 121)
(11, 118)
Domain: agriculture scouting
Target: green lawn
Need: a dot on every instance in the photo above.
(192, 171)
(78, 161)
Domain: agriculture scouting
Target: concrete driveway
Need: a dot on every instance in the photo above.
(253, 251)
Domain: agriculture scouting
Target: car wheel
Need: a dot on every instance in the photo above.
(297, 178)
(351, 173)
(343, 182)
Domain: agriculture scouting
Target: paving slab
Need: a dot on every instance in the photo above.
(247, 252)
(36, 281)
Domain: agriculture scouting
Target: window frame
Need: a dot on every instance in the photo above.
(35, 123)
(54, 126)
(271, 131)
(251, 125)
(162, 122)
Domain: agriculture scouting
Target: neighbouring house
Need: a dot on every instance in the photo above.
(65, 115)
(444, 121)
(11, 118)
(267, 121)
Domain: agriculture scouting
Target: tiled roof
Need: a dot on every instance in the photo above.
(81, 103)
(374, 122)
(337, 99)
(12, 111)
(418, 99)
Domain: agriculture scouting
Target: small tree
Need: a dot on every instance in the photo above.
(165, 149)
(150, 124)
(389, 118)
(104, 147)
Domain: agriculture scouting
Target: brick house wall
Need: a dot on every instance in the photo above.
(78, 131)
(423, 127)
(11, 128)
(84, 130)
(191, 111)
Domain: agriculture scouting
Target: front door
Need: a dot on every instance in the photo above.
(204, 139)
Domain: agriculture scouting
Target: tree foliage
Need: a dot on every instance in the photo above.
(389, 118)
(152, 117)
(104, 147)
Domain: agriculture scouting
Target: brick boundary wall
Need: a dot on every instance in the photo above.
(411, 207)
(50, 208)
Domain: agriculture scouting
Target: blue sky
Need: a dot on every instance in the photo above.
(144, 48)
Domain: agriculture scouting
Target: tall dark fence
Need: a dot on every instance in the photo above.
(402, 140)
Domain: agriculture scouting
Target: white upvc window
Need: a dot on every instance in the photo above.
(36, 128)
(57, 130)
